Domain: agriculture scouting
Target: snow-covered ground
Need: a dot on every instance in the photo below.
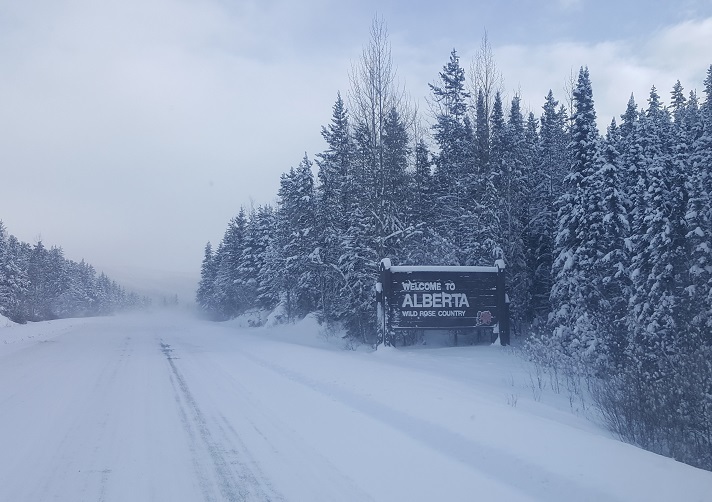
(169, 408)
(5, 322)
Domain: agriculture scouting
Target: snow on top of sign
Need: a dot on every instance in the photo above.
(441, 268)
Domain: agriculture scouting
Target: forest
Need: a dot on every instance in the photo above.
(39, 284)
(606, 234)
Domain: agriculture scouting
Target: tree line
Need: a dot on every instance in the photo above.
(38, 284)
(631, 296)
(606, 237)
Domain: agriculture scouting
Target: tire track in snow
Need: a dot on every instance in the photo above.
(529, 478)
(93, 474)
(284, 442)
(253, 475)
(201, 437)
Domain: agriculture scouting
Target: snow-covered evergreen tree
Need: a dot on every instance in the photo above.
(358, 265)
(263, 225)
(610, 229)
(658, 264)
(228, 302)
(697, 134)
(420, 193)
(511, 204)
(334, 198)
(530, 217)
(297, 240)
(205, 296)
(482, 133)
(552, 167)
(574, 297)
(455, 160)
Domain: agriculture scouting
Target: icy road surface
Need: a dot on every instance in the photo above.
(166, 408)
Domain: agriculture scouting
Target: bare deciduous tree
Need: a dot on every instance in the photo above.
(375, 93)
(375, 89)
(484, 75)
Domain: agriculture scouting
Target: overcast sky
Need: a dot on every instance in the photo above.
(131, 131)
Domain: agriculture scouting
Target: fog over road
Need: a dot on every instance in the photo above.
(168, 408)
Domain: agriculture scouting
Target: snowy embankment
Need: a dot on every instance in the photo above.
(5, 322)
(170, 408)
(15, 336)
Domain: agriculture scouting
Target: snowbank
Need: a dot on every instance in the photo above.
(14, 336)
(307, 332)
(5, 322)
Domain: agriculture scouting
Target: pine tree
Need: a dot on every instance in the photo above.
(697, 131)
(660, 253)
(228, 302)
(263, 226)
(608, 215)
(250, 263)
(10, 290)
(334, 198)
(57, 278)
(298, 240)
(392, 212)
(4, 262)
(574, 297)
(546, 183)
(334, 171)
(455, 159)
(205, 296)
(509, 155)
(37, 272)
(420, 193)
(530, 217)
(358, 265)
(677, 101)
(635, 182)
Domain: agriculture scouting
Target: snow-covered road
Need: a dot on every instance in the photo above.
(167, 408)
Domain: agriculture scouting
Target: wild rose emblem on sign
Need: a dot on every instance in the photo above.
(484, 318)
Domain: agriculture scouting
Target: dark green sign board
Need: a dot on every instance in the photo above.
(449, 298)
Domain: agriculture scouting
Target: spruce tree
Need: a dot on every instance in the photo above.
(420, 193)
(551, 170)
(228, 302)
(263, 227)
(659, 254)
(454, 162)
(358, 265)
(334, 171)
(509, 157)
(574, 297)
(334, 198)
(609, 217)
(482, 132)
(298, 240)
(392, 211)
(205, 296)
(698, 132)
(530, 218)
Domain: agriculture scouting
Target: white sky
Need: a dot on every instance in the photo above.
(131, 131)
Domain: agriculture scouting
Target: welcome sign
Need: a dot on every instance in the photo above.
(436, 297)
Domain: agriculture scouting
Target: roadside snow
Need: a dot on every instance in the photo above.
(166, 407)
(5, 322)
(15, 336)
